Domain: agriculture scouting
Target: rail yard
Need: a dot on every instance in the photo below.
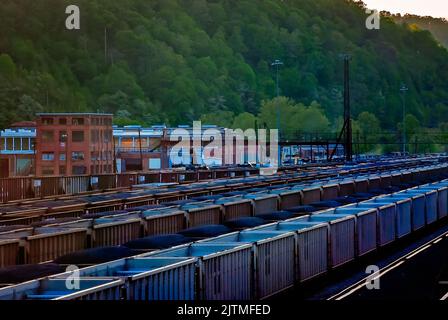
(226, 234)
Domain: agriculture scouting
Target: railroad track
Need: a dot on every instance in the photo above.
(270, 284)
(445, 297)
(397, 263)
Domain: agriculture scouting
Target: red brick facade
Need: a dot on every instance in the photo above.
(74, 144)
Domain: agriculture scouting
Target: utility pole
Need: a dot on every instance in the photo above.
(403, 90)
(277, 63)
(347, 111)
(346, 132)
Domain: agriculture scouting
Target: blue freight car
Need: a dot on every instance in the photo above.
(273, 259)
(57, 289)
(148, 279)
(311, 246)
(224, 269)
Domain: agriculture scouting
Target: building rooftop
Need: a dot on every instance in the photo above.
(134, 132)
(24, 124)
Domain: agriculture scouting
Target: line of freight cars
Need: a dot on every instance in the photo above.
(51, 188)
(32, 242)
(254, 263)
(49, 239)
(46, 240)
(22, 188)
(286, 194)
(28, 212)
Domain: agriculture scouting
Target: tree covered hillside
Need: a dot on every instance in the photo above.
(174, 61)
(438, 27)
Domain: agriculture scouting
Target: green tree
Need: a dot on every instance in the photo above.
(28, 107)
(7, 66)
(368, 132)
(219, 118)
(244, 121)
(114, 102)
(412, 125)
(166, 60)
(281, 107)
(312, 119)
(368, 123)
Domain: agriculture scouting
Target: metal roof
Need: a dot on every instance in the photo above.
(24, 133)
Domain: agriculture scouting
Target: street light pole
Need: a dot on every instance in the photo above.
(403, 90)
(277, 63)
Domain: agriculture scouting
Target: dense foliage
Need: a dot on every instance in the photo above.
(174, 61)
(438, 27)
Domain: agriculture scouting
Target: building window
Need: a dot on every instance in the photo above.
(107, 121)
(47, 121)
(79, 170)
(62, 170)
(77, 156)
(2, 144)
(63, 136)
(9, 143)
(94, 155)
(47, 171)
(127, 143)
(78, 121)
(94, 138)
(62, 157)
(48, 156)
(63, 121)
(26, 144)
(107, 136)
(23, 167)
(17, 144)
(47, 136)
(145, 142)
(78, 136)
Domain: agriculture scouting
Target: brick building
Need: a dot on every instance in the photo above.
(74, 144)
